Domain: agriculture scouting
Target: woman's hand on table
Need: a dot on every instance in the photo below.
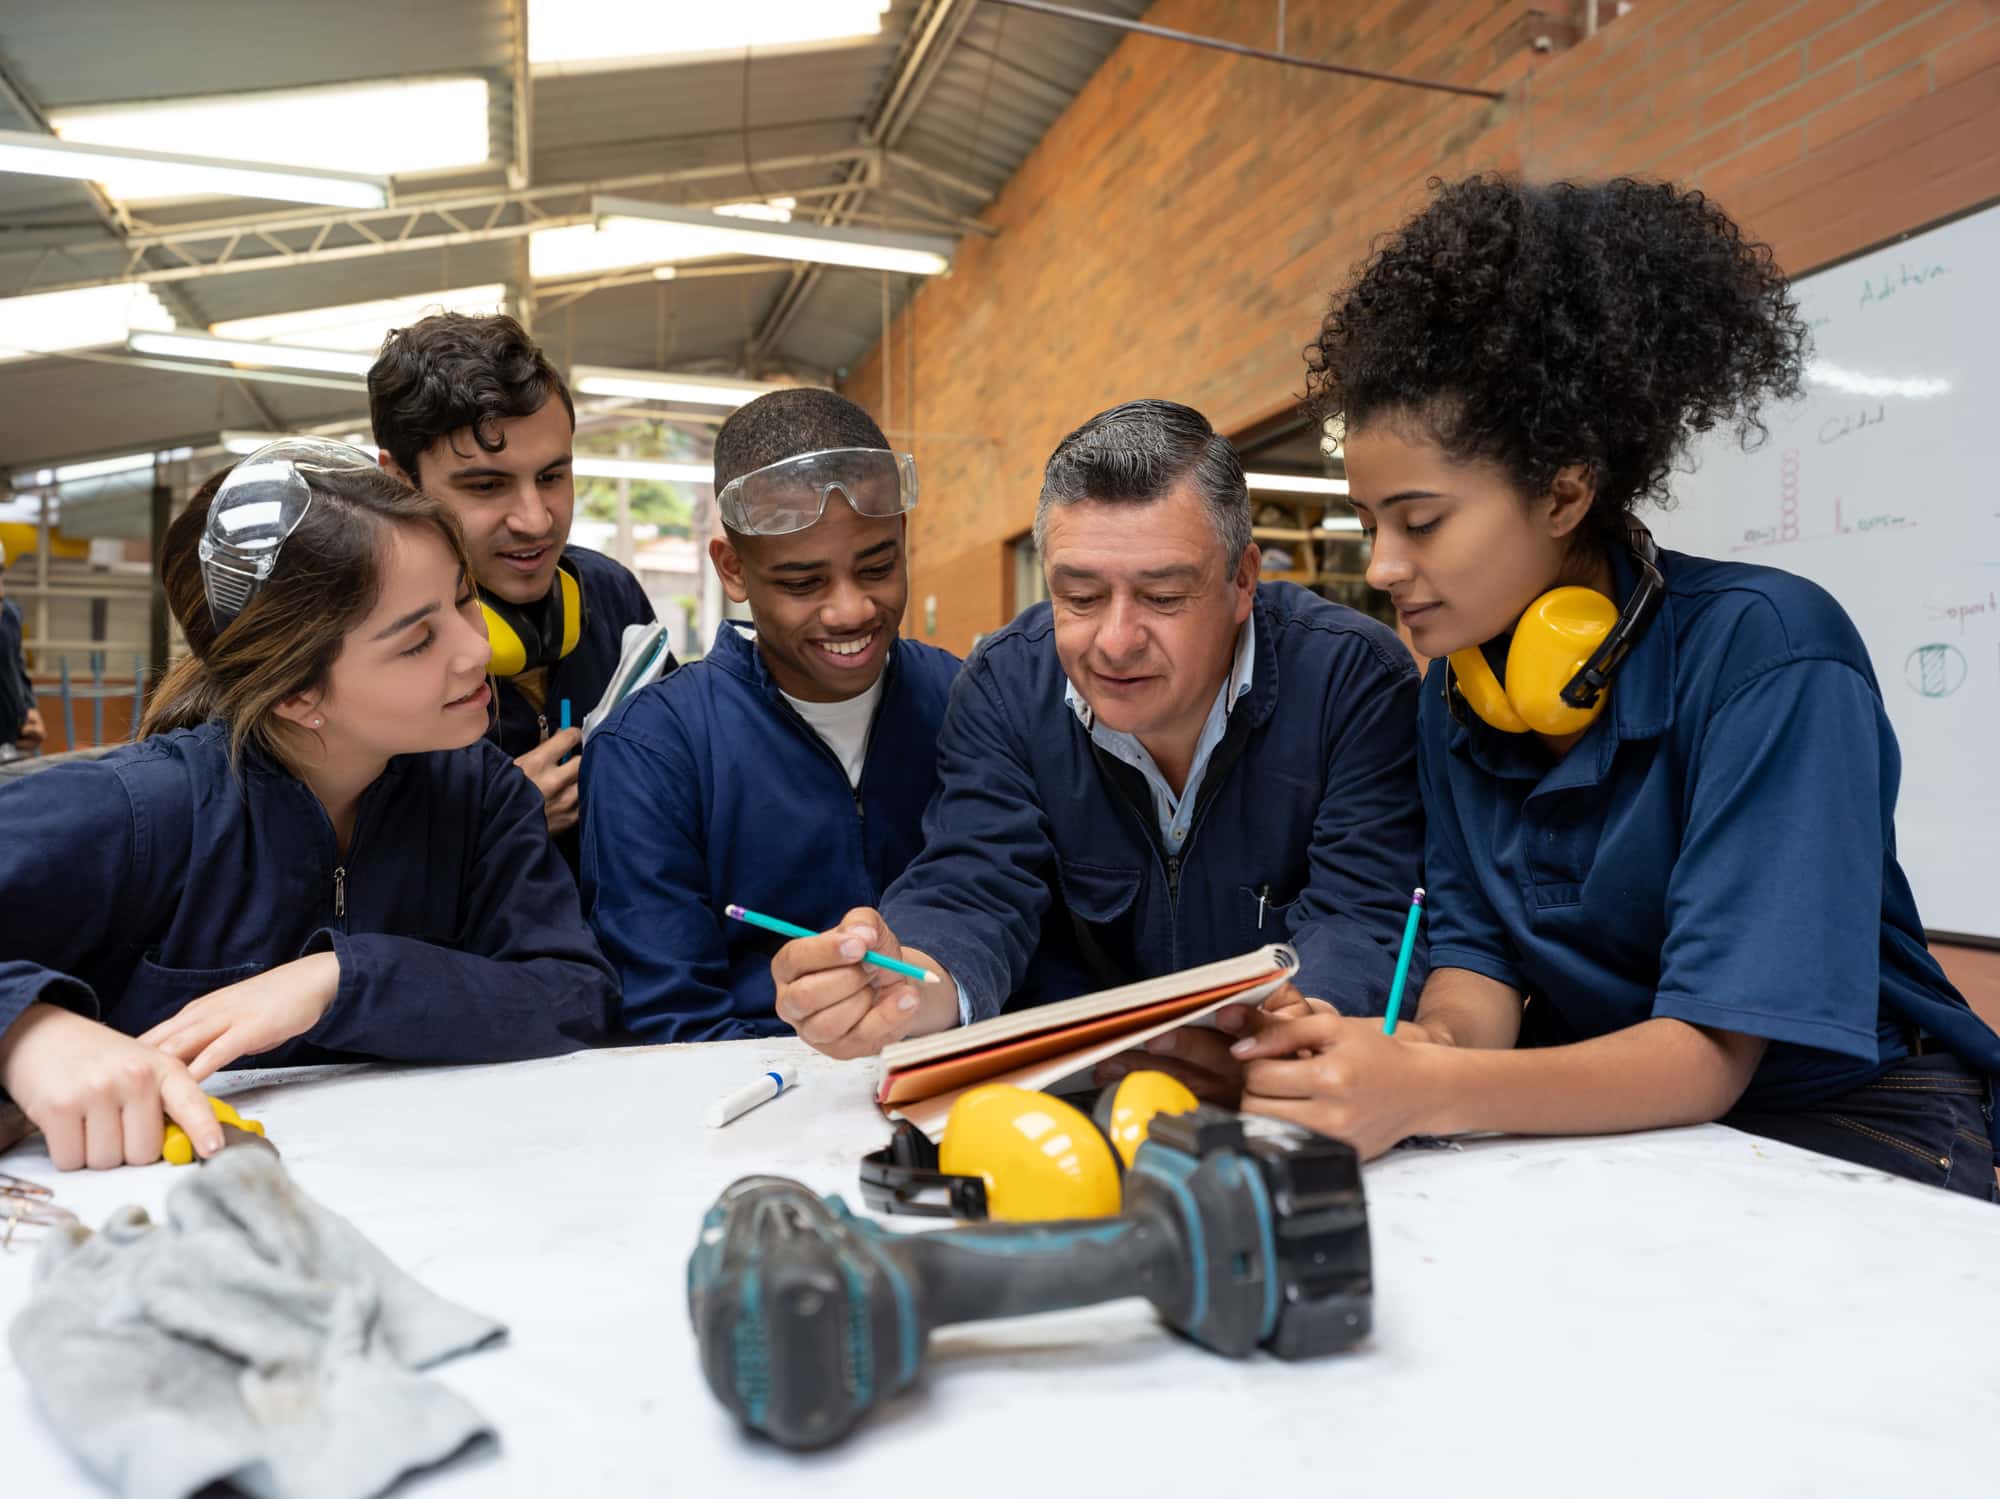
(97, 1096)
(254, 1016)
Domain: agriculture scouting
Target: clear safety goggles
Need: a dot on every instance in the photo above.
(790, 495)
(257, 508)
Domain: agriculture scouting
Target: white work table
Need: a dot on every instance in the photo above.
(1695, 1311)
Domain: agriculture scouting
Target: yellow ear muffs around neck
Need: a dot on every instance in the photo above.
(538, 634)
(1551, 643)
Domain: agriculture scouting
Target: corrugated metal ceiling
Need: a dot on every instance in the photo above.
(1006, 77)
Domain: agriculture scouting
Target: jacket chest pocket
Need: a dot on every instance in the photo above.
(156, 992)
(1562, 835)
(1100, 900)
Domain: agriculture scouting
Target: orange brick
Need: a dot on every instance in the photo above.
(1780, 73)
(1796, 103)
(1746, 166)
(1775, 27)
(1864, 30)
(1180, 225)
(1867, 105)
(1704, 150)
(1967, 56)
(1896, 52)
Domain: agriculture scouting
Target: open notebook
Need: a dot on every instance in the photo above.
(1033, 1048)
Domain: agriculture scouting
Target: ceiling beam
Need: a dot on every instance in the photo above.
(925, 50)
(261, 242)
(113, 216)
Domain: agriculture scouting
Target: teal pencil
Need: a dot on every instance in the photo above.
(787, 929)
(1403, 962)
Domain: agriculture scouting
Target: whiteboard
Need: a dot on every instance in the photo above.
(1880, 486)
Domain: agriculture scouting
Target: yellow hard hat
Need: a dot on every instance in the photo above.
(1125, 1112)
(1039, 1158)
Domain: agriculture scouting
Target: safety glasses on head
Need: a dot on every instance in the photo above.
(256, 510)
(790, 495)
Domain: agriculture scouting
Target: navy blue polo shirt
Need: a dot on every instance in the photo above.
(1718, 848)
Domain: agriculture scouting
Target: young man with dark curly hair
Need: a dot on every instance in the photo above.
(470, 411)
(1168, 764)
(1660, 788)
(788, 769)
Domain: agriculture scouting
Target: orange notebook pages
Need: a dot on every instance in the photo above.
(1032, 1048)
(970, 1067)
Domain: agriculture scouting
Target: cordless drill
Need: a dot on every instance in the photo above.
(806, 1316)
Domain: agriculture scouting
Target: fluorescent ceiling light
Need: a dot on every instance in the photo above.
(360, 325)
(129, 173)
(1295, 484)
(580, 35)
(242, 444)
(1350, 523)
(102, 468)
(642, 468)
(648, 385)
(391, 127)
(1854, 383)
(50, 322)
(586, 249)
(717, 234)
(207, 348)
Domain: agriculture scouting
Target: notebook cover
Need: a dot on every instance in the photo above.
(907, 1084)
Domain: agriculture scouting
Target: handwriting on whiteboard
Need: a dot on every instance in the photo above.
(1836, 427)
(1791, 509)
(1959, 614)
(1890, 283)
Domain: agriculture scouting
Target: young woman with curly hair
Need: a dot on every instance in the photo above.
(1662, 877)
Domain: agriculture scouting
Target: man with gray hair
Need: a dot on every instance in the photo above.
(1167, 764)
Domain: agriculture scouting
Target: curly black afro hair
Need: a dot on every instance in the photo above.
(1537, 327)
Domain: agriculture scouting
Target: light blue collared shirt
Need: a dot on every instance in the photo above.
(1176, 813)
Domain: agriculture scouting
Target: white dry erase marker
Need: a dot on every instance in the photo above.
(744, 1099)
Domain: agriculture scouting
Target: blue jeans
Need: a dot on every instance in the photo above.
(1929, 1118)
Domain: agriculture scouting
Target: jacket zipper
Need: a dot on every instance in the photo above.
(826, 752)
(542, 728)
(340, 893)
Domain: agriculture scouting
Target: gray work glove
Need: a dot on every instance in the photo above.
(254, 1338)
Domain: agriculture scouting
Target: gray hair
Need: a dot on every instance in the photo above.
(1139, 452)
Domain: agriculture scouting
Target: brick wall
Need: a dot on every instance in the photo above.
(1178, 230)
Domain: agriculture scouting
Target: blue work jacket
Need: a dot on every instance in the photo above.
(1044, 872)
(612, 599)
(708, 789)
(133, 884)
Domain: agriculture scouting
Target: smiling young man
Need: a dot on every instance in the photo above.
(470, 411)
(1168, 764)
(787, 771)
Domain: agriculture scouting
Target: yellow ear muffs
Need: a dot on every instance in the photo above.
(1039, 1158)
(1125, 1111)
(510, 652)
(1017, 1155)
(525, 638)
(1554, 638)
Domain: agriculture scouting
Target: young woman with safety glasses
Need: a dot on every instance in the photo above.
(311, 855)
(1660, 789)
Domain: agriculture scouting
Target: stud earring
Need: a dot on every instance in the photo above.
(319, 723)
